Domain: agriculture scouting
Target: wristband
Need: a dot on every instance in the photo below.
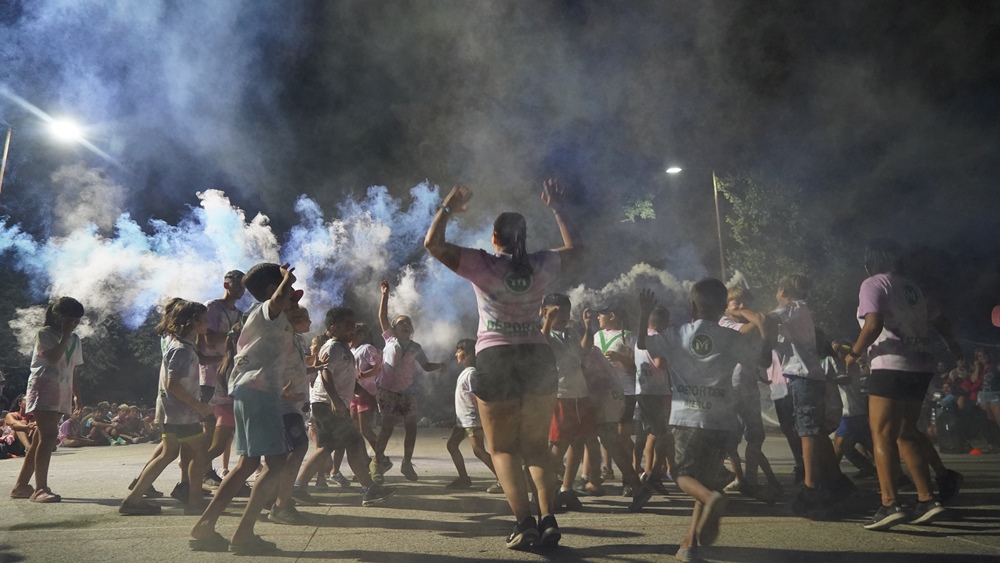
(447, 210)
(853, 354)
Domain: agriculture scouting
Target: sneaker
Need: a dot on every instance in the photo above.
(141, 508)
(688, 555)
(321, 484)
(809, 500)
(866, 473)
(640, 498)
(771, 494)
(627, 490)
(212, 477)
(210, 483)
(495, 489)
(375, 494)
(151, 492)
(707, 529)
(607, 474)
(303, 498)
(180, 492)
(244, 491)
(376, 472)
(460, 483)
(798, 475)
(386, 464)
(733, 487)
(841, 488)
(886, 517)
(525, 533)
(949, 485)
(548, 533)
(286, 515)
(567, 500)
(926, 511)
(654, 483)
(406, 468)
(339, 479)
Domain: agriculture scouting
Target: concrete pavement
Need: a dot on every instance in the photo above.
(427, 523)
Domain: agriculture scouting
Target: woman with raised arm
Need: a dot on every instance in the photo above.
(515, 383)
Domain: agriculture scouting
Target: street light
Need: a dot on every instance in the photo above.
(66, 131)
(718, 217)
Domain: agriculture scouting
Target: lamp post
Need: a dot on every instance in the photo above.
(63, 130)
(3, 162)
(718, 217)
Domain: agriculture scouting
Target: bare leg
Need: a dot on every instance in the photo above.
(885, 419)
(456, 438)
(501, 423)
(536, 415)
(388, 424)
(286, 482)
(39, 454)
(912, 451)
(196, 468)
(479, 448)
(263, 489)
(410, 436)
(204, 528)
(167, 453)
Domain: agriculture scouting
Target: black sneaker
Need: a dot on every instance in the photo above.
(151, 492)
(548, 533)
(460, 483)
(798, 475)
(639, 499)
(655, 483)
(375, 494)
(887, 517)
(568, 500)
(949, 485)
(926, 512)
(406, 468)
(180, 492)
(302, 498)
(627, 490)
(841, 488)
(809, 500)
(524, 535)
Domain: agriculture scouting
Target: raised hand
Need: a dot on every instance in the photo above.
(286, 273)
(647, 300)
(384, 286)
(553, 193)
(457, 200)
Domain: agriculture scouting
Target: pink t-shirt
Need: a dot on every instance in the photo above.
(904, 344)
(508, 303)
(399, 362)
(366, 357)
(220, 319)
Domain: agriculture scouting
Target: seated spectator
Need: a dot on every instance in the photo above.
(19, 426)
(69, 432)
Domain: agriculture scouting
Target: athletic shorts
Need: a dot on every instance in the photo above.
(333, 430)
(653, 411)
(259, 428)
(853, 426)
(898, 385)
(224, 416)
(510, 372)
(183, 433)
(609, 406)
(295, 431)
(699, 453)
(628, 416)
(396, 404)
(572, 421)
(808, 405)
(363, 403)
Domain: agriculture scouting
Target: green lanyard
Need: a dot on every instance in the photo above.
(69, 352)
(607, 344)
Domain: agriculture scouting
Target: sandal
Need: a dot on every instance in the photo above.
(22, 492)
(216, 543)
(141, 508)
(253, 547)
(45, 495)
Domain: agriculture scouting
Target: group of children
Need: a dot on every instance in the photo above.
(252, 377)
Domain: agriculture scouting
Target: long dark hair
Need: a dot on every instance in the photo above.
(66, 307)
(512, 233)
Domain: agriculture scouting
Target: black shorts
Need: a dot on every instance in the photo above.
(652, 412)
(898, 385)
(295, 431)
(511, 372)
(334, 431)
(628, 417)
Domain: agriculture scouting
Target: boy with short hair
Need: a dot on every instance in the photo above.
(652, 390)
(332, 420)
(701, 357)
(467, 421)
(799, 357)
(265, 350)
(618, 346)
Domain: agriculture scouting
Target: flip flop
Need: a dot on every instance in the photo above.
(45, 495)
(215, 543)
(22, 492)
(255, 546)
(707, 529)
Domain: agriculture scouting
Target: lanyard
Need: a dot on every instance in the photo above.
(607, 344)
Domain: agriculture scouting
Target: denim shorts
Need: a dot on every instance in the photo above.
(699, 453)
(808, 404)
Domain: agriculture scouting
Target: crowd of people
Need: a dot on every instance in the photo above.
(553, 404)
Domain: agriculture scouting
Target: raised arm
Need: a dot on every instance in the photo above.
(554, 197)
(383, 306)
(455, 202)
(587, 342)
(52, 355)
(647, 301)
(281, 299)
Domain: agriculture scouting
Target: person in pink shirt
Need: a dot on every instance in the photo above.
(516, 377)
(896, 320)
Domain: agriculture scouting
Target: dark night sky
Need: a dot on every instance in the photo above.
(884, 112)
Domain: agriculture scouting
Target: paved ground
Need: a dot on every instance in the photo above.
(426, 523)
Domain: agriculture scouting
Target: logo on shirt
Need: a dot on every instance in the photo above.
(910, 294)
(518, 284)
(702, 345)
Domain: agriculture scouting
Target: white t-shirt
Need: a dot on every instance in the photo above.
(220, 319)
(904, 344)
(180, 363)
(796, 345)
(566, 348)
(366, 357)
(744, 377)
(702, 356)
(399, 363)
(508, 304)
(299, 379)
(466, 409)
(340, 365)
(649, 379)
(623, 342)
(50, 386)
(266, 353)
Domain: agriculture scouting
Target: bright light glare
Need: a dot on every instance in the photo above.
(66, 130)
(673, 170)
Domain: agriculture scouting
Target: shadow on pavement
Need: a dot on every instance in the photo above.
(8, 556)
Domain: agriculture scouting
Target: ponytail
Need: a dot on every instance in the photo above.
(512, 234)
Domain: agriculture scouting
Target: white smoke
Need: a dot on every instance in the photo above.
(670, 292)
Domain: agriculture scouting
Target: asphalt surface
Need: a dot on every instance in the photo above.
(424, 522)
